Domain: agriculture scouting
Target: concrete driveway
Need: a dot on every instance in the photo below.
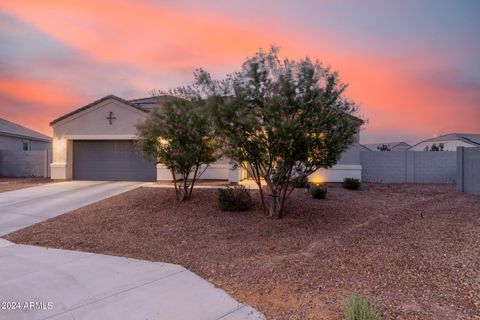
(40, 283)
(24, 207)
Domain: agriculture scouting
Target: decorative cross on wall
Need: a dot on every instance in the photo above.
(110, 117)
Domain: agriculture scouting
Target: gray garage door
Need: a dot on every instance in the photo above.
(110, 160)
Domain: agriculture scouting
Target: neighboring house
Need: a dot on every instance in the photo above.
(97, 142)
(23, 152)
(450, 142)
(394, 146)
(16, 137)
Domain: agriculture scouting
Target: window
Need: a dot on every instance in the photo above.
(26, 145)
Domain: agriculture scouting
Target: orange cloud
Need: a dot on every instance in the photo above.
(36, 92)
(152, 37)
(35, 103)
(162, 39)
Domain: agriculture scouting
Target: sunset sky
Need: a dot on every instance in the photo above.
(413, 66)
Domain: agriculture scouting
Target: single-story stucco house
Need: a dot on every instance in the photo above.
(23, 152)
(450, 142)
(17, 138)
(97, 142)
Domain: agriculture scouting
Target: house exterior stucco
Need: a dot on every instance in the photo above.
(23, 151)
(8, 142)
(93, 122)
(15, 137)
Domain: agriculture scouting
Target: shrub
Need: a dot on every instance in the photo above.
(234, 199)
(351, 183)
(356, 307)
(319, 192)
(300, 181)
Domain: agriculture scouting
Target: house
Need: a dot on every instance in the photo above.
(23, 152)
(450, 142)
(16, 137)
(393, 146)
(97, 142)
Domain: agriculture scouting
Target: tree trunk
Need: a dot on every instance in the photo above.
(185, 187)
(274, 199)
(259, 183)
(175, 184)
(285, 189)
(193, 180)
(275, 205)
(196, 171)
(278, 195)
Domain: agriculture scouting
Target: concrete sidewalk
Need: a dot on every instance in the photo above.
(24, 207)
(57, 284)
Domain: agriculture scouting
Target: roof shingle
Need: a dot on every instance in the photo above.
(14, 129)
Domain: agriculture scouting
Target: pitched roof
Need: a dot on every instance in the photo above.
(143, 104)
(150, 103)
(14, 129)
(473, 139)
(392, 145)
(355, 118)
(65, 116)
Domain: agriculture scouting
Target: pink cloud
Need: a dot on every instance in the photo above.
(167, 40)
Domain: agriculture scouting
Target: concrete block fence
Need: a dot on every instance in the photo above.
(409, 166)
(19, 163)
(468, 170)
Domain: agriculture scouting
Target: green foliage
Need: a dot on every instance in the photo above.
(180, 137)
(319, 192)
(282, 118)
(300, 182)
(384, 147)
(356, 307)
(351, 183)
(234, 199)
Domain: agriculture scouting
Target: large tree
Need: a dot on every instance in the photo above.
(280, 119)
(180, 136)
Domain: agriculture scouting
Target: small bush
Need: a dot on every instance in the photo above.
(356, 307)
(319, 192)
(234, 199)
(300, 182)
(351, 183)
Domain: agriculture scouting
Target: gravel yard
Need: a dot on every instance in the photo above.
(412, 249)
(12, 183)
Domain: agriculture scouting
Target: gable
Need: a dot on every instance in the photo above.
(93, 121)
(401, 146)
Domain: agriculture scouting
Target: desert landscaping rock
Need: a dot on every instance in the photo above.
(412, 249)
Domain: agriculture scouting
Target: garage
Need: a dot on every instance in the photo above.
(110, 160)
